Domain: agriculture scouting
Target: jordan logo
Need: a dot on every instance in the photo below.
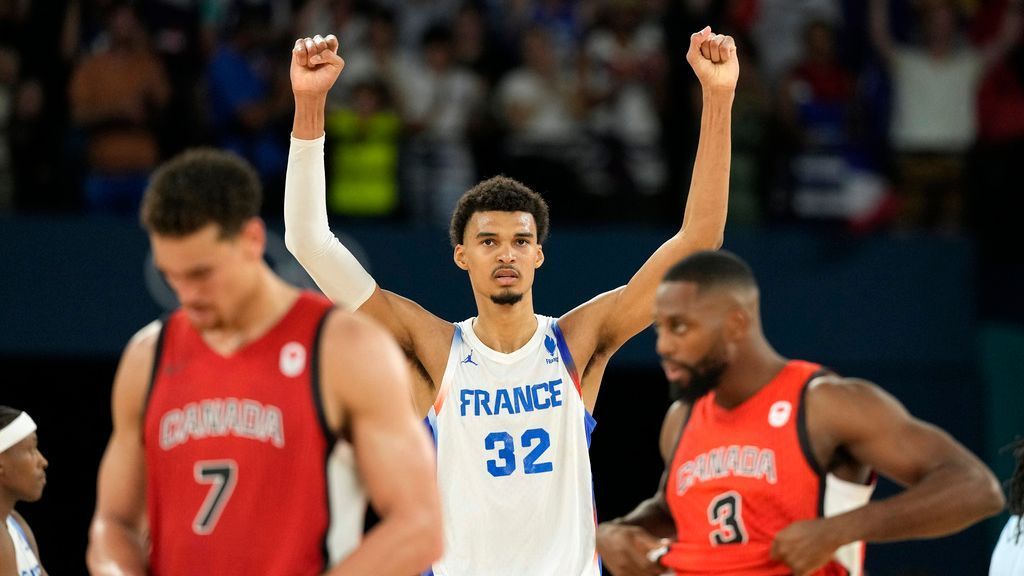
(469, 359)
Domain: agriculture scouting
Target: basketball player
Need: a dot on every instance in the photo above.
(22, 478)
(509, 394)
(1008, 556)
(234, 427)
(770, 462)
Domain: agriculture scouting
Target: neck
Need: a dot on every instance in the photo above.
(270, 300)
(755, 366)
(6, 505)
(505, 328)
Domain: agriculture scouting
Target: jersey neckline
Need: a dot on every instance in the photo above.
(501, 357)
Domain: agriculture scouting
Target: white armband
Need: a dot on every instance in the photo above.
(308, 235)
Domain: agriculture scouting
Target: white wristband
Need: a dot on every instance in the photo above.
(19, 429)
(308, 234)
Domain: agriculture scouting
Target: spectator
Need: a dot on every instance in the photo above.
(442, 100)
(249, 102)
(116, 96)
(364, 153)
(935, 88)
(539, 105)
(623, 73)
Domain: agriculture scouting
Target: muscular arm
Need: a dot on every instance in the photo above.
(948, 488)
(367, 380)
(602, 325)
(117, 541)
(624, 542)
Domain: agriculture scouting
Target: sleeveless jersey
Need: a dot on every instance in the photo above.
(242, 475)
(740, 476)
(512, 436)
(24, 558)
(1008, 555)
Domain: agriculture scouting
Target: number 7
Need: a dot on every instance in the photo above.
(222, 476)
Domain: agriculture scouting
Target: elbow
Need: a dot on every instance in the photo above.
(991, 500)
(299, 243)
(701, 242)
(424, 538)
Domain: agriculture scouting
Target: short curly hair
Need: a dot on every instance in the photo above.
(499, 194)
(198, 187)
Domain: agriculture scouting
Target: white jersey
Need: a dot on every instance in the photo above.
(25, 559)
(513, 466)
(1008, 557)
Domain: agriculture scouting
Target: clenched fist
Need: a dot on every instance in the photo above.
(713, 59)
(315, 65)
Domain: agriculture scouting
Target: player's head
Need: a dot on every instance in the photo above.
(201, 211)
(705, 308)
(22, 465)
(497, 231)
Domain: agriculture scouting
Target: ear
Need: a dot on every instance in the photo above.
(459, 256)
(737, 324)
(254, 237)
(540, 256)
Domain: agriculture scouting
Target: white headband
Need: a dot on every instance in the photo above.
(16, 431)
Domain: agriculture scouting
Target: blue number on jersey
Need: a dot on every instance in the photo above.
(530, 465)
(508, 455)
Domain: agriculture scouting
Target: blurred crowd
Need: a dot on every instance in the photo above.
(895, 114)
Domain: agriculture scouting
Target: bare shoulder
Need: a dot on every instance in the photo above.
(849, 406)
(27, 530)
(353, 334)
(840, 394)
(672, 427)
(136, 366)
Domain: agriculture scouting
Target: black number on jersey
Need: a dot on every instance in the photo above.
(725, 513)
(221, 475)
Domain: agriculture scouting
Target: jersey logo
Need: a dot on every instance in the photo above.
(549, 343)
(779, 413)
(469, 359)
(293, 359)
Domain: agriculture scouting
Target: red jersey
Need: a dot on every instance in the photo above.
(740, 476)
(237, 453)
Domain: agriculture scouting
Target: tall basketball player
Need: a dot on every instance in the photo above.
(22, 478)
(509, 394)
(769, 462)
(240, 418)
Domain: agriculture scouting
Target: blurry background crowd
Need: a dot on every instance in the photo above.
(872, 114)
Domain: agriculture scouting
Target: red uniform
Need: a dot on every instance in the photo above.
(237, 452)
(740, 476)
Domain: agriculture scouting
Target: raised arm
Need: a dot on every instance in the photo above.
(625, 542)
(1007, 37)
(616, 316)
(947, 487)
(878, 28)
(366, 378)
(423, 337)
(117, 535)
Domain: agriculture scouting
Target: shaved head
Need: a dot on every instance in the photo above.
(713, 269)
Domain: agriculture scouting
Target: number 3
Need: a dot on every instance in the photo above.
(221, 475)
(726, 512)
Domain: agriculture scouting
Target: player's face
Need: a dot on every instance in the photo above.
(210, 275)
(501, 253)
(691, 345)
(23, 470)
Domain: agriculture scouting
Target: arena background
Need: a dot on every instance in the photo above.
(932, 314)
